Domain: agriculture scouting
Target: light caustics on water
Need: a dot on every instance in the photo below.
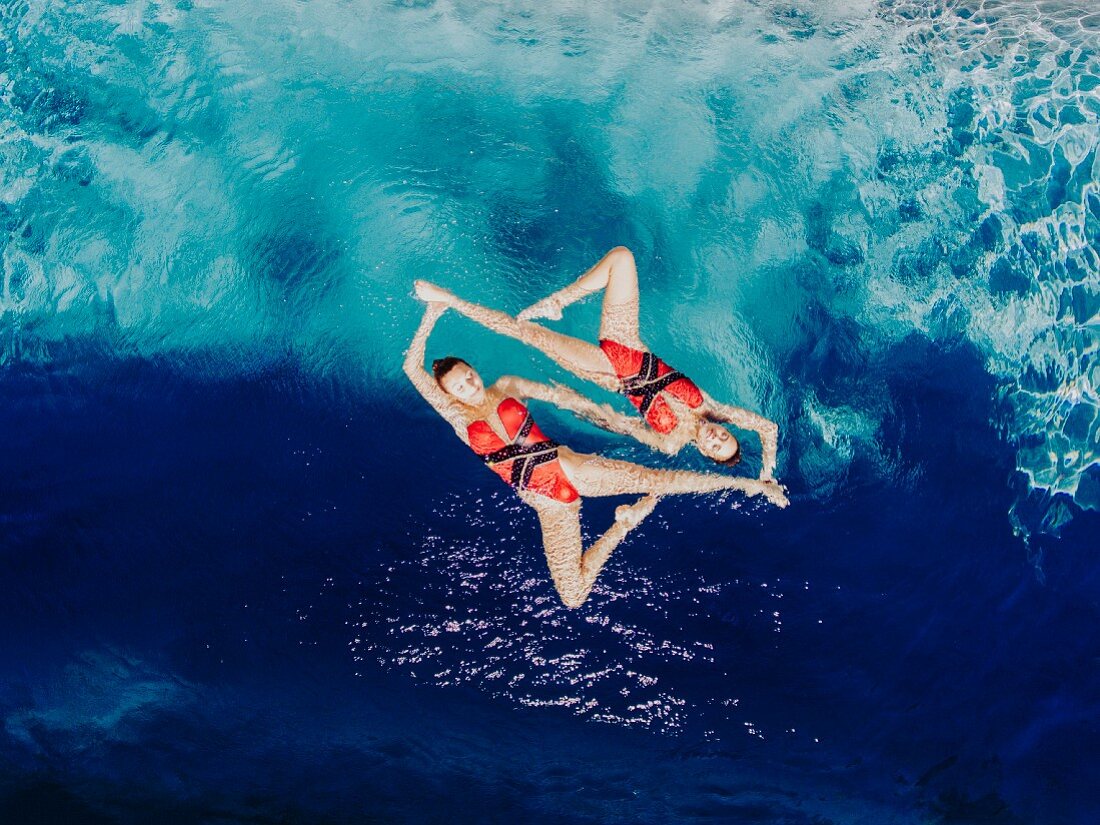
(487, 620)
(222, 182)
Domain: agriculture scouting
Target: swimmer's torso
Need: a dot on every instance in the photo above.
(513, 446)
(667, 400)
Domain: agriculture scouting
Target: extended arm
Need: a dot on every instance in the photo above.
(746, 420)
(574, 572)
(414, 367)
(602, 415)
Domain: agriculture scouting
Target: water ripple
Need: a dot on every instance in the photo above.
(805, 185)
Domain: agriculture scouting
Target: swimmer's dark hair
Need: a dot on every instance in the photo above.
(442, 366)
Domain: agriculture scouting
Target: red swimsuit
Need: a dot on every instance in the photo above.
(528, 460)
(643, 377)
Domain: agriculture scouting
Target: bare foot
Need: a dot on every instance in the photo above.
(631, 515)
(546, 308)
(427, 291)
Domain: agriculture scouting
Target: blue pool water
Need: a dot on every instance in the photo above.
(249, 576)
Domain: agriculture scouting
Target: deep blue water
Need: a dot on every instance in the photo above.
(182, 560)
(248, 576)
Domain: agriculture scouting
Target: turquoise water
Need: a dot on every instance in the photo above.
(226, 509)
(216, 179)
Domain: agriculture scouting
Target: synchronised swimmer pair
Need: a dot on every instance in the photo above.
(551, 478)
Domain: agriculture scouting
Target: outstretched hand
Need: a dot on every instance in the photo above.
(774, 492)
(427, 291)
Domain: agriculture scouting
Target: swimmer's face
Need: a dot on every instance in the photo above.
(716, 442)
(463, 382)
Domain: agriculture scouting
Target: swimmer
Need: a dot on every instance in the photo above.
(495, 423)
(674, 410)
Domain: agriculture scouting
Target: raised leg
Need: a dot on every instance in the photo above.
(598, 476)
(579, 357)
(575, 572)
(617, 275)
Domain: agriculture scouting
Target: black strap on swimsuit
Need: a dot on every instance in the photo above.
(646, 384)
(527, 456)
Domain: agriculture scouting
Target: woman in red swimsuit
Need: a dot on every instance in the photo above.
(495, 423)
(673, 410)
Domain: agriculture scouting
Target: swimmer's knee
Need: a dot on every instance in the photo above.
(573, 602)
(623, 275)
(621, 253)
